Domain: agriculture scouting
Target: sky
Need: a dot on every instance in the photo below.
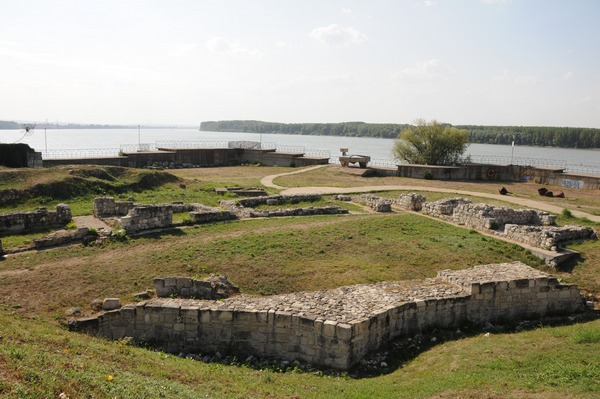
(181, 62)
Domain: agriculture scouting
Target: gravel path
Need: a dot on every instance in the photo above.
(268, 182)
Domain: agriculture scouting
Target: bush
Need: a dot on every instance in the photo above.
(567, 213)
(428, 176)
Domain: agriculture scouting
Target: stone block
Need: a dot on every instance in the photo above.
(184, 282)
(111, 303)
(343, 331)
(329, 327)
(564, 294)
(225, 315)
(283, 318)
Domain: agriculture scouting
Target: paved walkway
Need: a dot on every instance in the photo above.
(268, 182)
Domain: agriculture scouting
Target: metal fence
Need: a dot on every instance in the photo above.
(584, 169)
(503, 160)
(192, 144)
(252, 145)
(317, 153)
(384, 163)
(290, 148)
(81, 153)
(143, 147)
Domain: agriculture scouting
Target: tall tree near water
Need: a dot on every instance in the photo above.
(431, 143)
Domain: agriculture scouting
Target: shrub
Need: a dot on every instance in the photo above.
(567, 213)
(428, 176)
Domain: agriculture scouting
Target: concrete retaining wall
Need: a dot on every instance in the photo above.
(478, 172)
(339, 327)
(195, 157)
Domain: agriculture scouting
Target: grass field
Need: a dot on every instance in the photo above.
(39, 358)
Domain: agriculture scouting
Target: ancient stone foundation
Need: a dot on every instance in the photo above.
(378, 204)
(146, 217)
(107, 207)
(41, 218)
(482, 216)
(527, 226)
(275, 200)
(61, 237)
(547, 237)
(213, 287)
(337, 328)
(244, 208)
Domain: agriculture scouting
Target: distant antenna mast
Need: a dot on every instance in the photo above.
(28, 129)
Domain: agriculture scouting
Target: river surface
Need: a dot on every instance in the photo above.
(379, 149)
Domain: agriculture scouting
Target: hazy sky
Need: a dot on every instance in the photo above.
(504, 62)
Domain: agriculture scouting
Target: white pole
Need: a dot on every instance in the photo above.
(512, 151)
(46, 137)
(139, 139)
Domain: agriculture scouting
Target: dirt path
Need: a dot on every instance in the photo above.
(91, 223)
(268, 182)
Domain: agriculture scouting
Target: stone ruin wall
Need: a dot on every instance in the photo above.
(527, 226)
(41, 218)
(337, 328)
(277, 200)
(137, 218)
(411, 201)
(61, 237)
(547, 237)
(376, 203)
(146, 217)
(244, 208)
(482, 216)
(213, 287)
(105, 207)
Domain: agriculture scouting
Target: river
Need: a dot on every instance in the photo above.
(111, 140)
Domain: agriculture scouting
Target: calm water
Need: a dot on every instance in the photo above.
(378, 149)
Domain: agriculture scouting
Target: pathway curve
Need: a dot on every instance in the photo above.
(268, 182)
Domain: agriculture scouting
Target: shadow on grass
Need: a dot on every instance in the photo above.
(158, 234)
(403, 350)
(570, 264)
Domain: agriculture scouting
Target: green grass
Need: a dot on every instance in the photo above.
(16, 240)
(44, 360)
(39, 358)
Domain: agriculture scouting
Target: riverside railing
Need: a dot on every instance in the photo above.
(523, 161)
(583, 169)
(192, 144)
(81, 153)
(143, 147)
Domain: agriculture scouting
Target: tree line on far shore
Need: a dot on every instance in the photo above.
(541, 136)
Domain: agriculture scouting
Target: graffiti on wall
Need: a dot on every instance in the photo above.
(522, 174)
(570, 183)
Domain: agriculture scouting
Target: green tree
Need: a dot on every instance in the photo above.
(431, 143)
